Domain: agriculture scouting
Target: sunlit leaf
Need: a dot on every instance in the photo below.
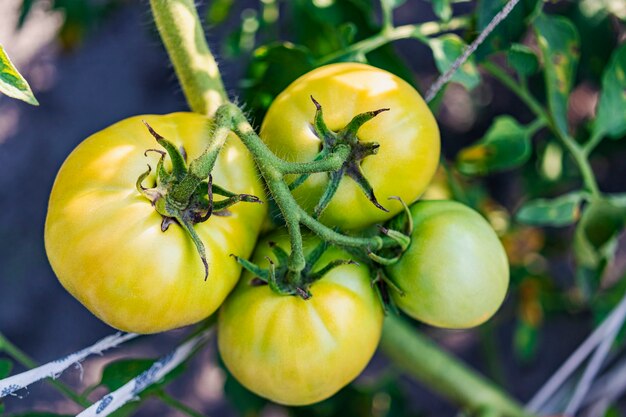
(446, 49)
(559, 211)
(506, 145)
(12, 83)
(522, 59)
(611, 114)
(442, 9)
(559, 43)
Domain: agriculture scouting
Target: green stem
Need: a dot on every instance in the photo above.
(390, 34)
(595, 139)
(195, 66)
(23, 359)
(578, 153)
(177, 405)
(417, 356)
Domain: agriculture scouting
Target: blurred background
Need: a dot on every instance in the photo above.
(92, 63)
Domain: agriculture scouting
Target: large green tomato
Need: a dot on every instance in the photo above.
(104, 239)
(455, 273)
(408, 136)
(294, 351)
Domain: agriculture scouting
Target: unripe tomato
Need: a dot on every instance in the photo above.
(295, 351)
(104, 239)
(408, 136)
(455, 273)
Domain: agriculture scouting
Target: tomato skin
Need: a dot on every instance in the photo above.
(408, 136)
(104, 239)
(294, 351)
(455, 273)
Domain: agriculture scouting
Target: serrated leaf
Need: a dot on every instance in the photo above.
(560, 211)
(12, 83)
(611, 114)
(446, 49)
(442, 9)
(506, 145)
(522, 59)
(5, 368)
(560, 47)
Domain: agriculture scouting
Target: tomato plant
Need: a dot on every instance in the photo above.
(105, 241)
(296, 351)
(407, 134)
(455, 273)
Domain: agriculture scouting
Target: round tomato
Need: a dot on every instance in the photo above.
(407, 134)
(455, 273)
(104, 239)
(295, 351)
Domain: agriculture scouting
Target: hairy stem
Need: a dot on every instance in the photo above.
(577, 151)
(195, 66)
(417, 356)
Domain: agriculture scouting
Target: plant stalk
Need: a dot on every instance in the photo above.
(420, 358)
(180, 29)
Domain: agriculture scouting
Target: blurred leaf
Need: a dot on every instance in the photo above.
(522, 59)
(595, 242)
(118, 373)
(509, 31)
(559, 43)
(5, 368)
(272, 69)
(12, 83)
(391, 4)
(506, 145)
(446, 49)
(218, 11)
(611, 113)
(617, 199)
(442, 9)
(560, 211)
(347, 33)
(525, 341)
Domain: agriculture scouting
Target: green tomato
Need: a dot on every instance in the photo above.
(295, 351)
(407, 134)
(455, 273)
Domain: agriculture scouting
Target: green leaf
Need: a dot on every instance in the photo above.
(245, 402)
(522, 59)
(118, 373)
(218, 11)
(525, 341)
(5, 368)
(595, 242)
(506, 145)
(611, 114)
(560, 45)
(511, 30)
(39, 414)
(446, 49)
(442, 9)
(560, 211)
(12, 83)
(272, 69)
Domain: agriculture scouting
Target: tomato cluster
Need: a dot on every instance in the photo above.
(125, 243)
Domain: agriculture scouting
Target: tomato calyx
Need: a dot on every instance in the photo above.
(185, 195)
(277, 275)
(331, 142)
